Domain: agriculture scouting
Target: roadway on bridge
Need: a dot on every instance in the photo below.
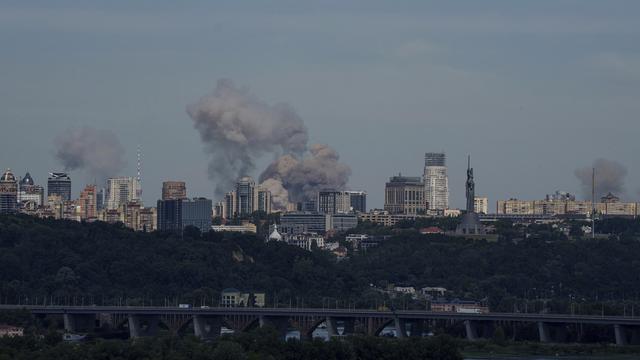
(326, 312)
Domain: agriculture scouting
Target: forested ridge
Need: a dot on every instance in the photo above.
(101, 263)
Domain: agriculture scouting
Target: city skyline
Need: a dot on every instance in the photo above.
(527, 90)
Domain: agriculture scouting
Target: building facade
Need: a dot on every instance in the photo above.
(301, 222)
(8, 193)
(197, 212)
(174, 190)
(245, 194)
(436, 181)
(404, 195)
(28, 191)
(88, 203)
(340, 202)
(556, 206)
(59, 183)
(122, 190)
(358, 200)
(481, 204)
(169, 214)
(175, 215)
(263, 200)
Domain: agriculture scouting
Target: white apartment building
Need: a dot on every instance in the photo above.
(122, 190)
(436, 181)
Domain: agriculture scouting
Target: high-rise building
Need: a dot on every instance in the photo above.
(8, 193)
(59, 183)
(358, 200)
(148, 220)
(100, 200)
(245, 193)
(175, 215)
(340, 202)
(404, 195)
(263, 200)
(230, 205)
(169, 214)
(436, 181)
(121, 190)
(87, 203)
(172, 190)
(332, 202)
(197, 212)
(28, 191)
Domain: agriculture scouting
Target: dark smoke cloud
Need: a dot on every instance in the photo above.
(237, 128)
(609, 178)
(97, 152)
(302, 178)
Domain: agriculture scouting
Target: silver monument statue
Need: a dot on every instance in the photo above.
(470, 224)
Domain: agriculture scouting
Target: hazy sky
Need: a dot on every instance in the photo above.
(532, 89)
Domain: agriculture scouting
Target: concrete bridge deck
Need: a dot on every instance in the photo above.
(307, 319)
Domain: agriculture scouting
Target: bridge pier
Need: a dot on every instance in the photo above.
(332, 327)
(79, 322)
(207, 327)
(621, 335)
(401, 328)
(143, 325)
(471, 330)
(279, 323)
(543, 332)
(417, 328)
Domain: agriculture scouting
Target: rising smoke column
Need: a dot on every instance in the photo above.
(302, 178)
(609, 177)
(237, 128)
(97, 152)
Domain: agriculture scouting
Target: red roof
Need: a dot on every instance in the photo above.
(431, 230)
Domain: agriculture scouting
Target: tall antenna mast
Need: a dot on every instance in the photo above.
(139, 175)
(593, 203)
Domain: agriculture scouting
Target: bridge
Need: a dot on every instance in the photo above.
(207, 322)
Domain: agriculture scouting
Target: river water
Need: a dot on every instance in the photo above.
(323, 334)
(539, 357)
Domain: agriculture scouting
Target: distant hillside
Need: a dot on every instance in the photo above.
(98, 263)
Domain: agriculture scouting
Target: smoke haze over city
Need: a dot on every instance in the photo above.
(533, 92)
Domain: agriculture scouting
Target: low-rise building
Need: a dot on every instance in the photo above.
(385, 218)
(459, 306)
(235, 298)
(10, 331)
(305, 240)
(609, 205)
(433, 292)
(246, 227)
(365, 241)
(431, 230)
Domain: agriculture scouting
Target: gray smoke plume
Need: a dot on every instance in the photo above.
(609, 178)
(302, 178)
(97, 152)
(237, 128)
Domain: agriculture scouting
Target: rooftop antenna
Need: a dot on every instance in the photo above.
(593, 203)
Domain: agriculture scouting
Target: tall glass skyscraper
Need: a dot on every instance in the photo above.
(245, 193)
(59, 183)
(8, 193)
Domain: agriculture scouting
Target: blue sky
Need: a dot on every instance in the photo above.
(531, 89)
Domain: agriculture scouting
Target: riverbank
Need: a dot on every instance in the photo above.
(491, 350)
